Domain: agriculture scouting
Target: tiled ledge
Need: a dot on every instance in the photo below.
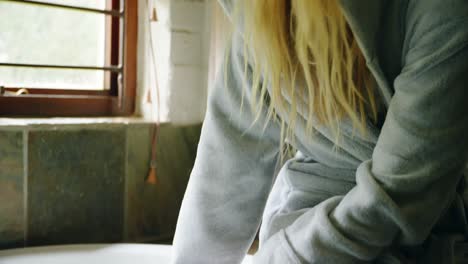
(63, 122)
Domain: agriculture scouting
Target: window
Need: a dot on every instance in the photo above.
(67, 57)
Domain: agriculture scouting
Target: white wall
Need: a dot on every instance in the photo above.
(181, 42)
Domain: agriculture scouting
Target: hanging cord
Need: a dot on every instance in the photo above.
(152, 176)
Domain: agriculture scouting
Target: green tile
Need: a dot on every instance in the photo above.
(138, 158)
(76, 184)
(152, 210)
(11, 189)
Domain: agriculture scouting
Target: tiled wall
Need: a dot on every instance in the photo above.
(86, 184)
(12, 216)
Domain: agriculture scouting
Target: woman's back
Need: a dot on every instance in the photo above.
(374, 196)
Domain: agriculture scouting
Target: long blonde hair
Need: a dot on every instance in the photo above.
(309, 40)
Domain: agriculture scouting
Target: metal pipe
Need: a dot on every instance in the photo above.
(116, 13)
(66, 67)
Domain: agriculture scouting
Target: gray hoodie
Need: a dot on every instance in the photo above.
(391, 196)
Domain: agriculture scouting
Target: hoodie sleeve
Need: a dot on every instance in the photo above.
(419, 158)
(232, 176)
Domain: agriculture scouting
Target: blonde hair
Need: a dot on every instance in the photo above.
(288, 40)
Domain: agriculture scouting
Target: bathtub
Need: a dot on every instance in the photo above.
(92, 254)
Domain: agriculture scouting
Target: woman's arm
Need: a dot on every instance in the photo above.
(418, 160)
(232, 176)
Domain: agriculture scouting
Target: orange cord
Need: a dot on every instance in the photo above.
(152, 178)
(152, 175)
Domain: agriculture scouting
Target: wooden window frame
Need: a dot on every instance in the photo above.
(119, 100)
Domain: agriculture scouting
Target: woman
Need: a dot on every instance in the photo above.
(372, 95)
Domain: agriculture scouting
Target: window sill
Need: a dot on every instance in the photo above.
(65, 122)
